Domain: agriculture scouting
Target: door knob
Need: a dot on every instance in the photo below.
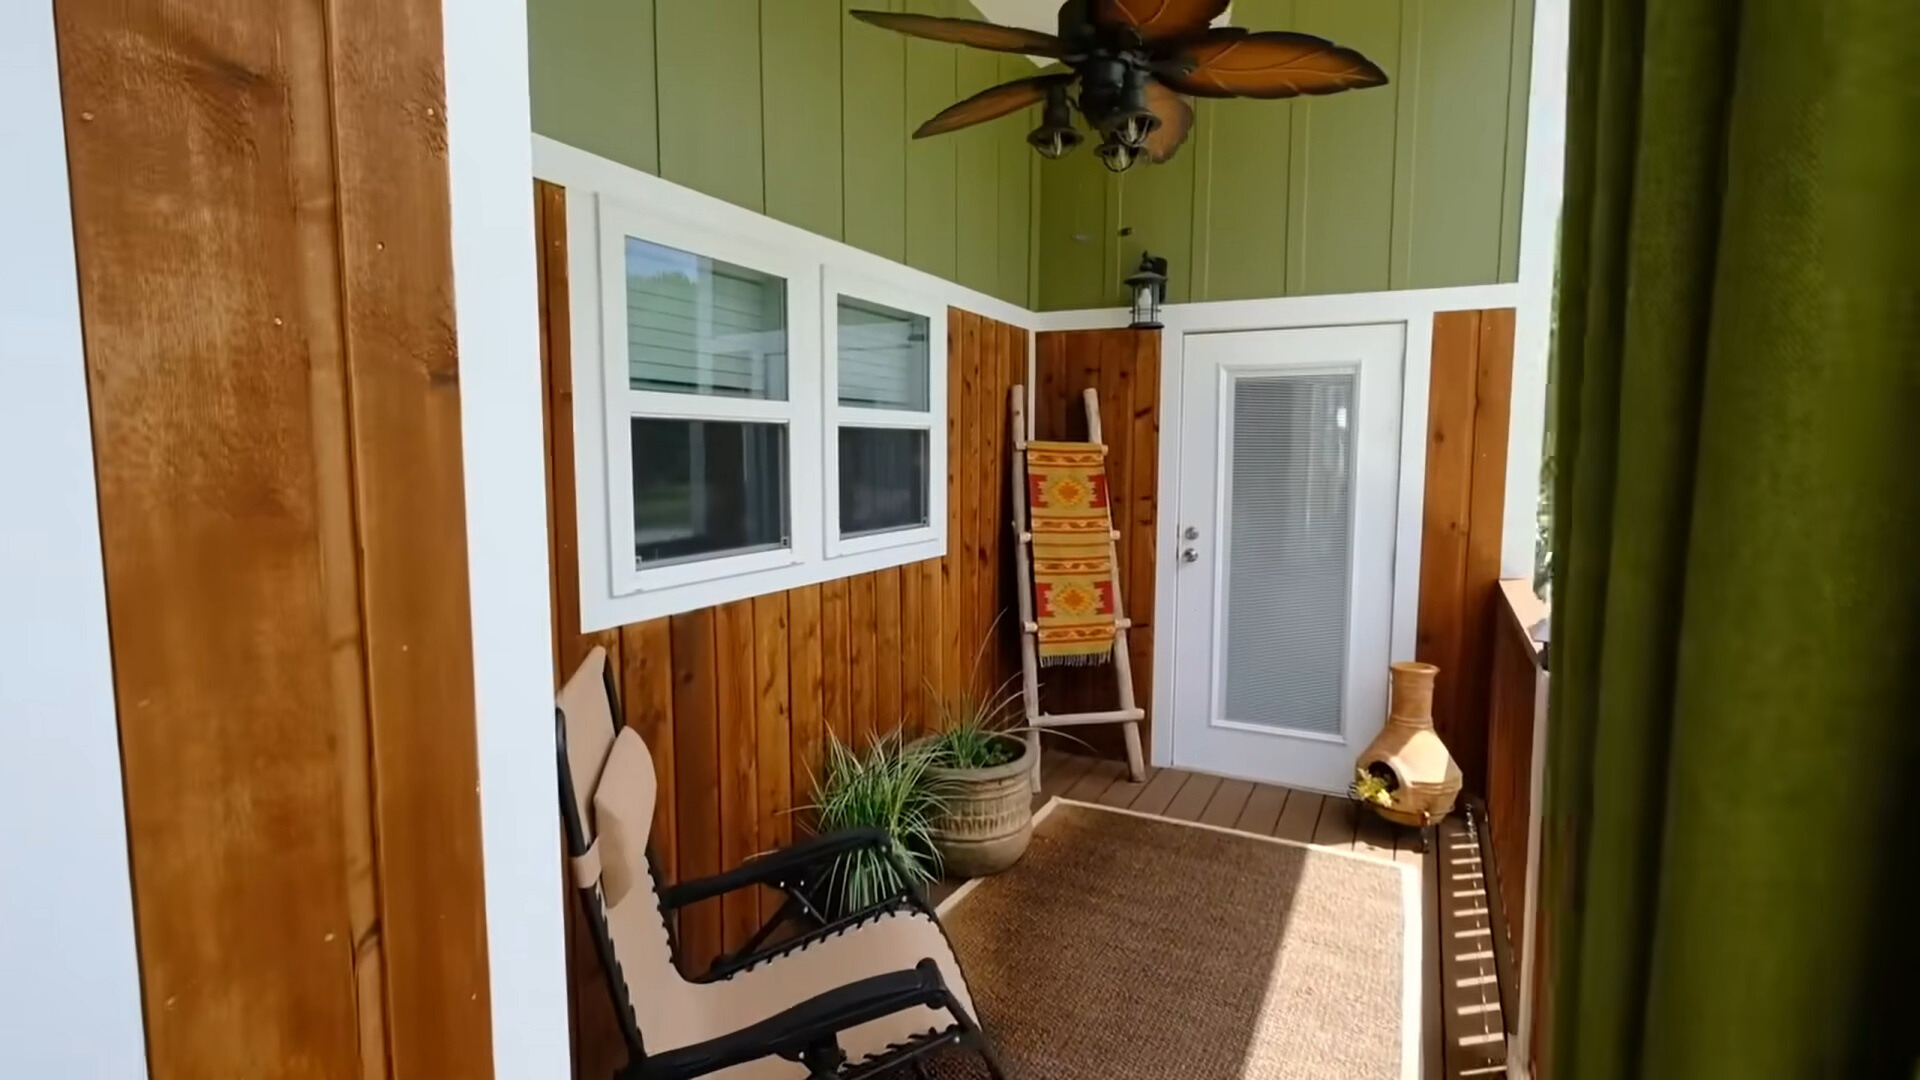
(1189, 555)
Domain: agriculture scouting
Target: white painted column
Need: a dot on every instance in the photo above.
(490, 161)
(1539, 254)
(69, 967)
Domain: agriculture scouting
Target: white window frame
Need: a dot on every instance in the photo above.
(838, 282)
(618, 221)
(615, 590)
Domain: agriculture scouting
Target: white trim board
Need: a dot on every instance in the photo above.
(1412, 941)
(69, 964)
(496, 317)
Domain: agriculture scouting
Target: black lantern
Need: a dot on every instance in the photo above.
(1148, 287)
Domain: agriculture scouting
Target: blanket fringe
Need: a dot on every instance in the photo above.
(1078, 659)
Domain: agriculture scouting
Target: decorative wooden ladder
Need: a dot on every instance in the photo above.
(1129, 714)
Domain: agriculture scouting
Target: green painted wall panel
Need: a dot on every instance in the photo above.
(1244, 171)
(932, 164)
(874, 147)
(800, 103)
(1340, 187)
(977, 178)
(1410, 185)
(591, 66)
(1073, 261)
(1156, 216)
(1460, 143)
(707, 57)
(1016, 160)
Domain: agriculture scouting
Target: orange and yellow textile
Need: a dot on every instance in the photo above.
(1072, 552)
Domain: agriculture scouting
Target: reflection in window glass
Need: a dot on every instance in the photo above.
(705, 488)
(883, 357)
(883, 480)
(701, 326)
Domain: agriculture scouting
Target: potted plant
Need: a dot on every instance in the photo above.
(891, 787)
(982, 764)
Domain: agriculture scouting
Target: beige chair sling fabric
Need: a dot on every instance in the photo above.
(614, 782)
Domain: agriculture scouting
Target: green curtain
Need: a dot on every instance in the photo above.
(1733, 806)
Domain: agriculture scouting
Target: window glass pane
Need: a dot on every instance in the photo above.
(701, 326)
(704, 488)
(883, 480)
(883, 357)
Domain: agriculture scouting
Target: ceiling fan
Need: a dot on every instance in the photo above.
(1137, 63)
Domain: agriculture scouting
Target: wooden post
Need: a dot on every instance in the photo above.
(1122, 662)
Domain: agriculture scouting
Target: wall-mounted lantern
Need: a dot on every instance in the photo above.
(1148, 288)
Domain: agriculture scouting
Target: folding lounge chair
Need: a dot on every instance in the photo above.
(849, 998)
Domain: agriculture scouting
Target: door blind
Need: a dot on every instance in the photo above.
(1289, 547)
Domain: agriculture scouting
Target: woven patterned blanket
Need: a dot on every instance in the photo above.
(1072, 552)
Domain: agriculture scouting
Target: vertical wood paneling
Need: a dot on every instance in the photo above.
(863, 636)
(707, 60)
(1073, 233)
(933, 641)
(1468, 409)
(953, 565)
(836, 667)
(808, 727)
(772, 737)
(697, 767)
(1156, 214)
(275, 398)
(913, 633)
(970, 362)
(888, 694)
(873, 122)
(735, 702)
(646, 697)
(800, 106)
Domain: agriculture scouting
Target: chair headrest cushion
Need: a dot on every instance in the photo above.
(623, 816)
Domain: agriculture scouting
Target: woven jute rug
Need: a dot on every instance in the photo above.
(1130, 946)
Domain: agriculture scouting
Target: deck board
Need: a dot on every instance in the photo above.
(1299, 816)
(1262, 811)
(1124, 792)
(1336, 826)
(1160, 791)
(1095, 781)
(1228, 800)
(1193, 798)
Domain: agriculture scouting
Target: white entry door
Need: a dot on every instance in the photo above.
(1289, 489)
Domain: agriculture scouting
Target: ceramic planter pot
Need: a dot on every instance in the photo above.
(989, 816)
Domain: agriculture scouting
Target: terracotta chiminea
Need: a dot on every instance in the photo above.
(1425, 778)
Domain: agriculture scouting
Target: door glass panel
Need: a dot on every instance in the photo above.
(1289, 546)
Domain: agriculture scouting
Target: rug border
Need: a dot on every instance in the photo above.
(1413, 956)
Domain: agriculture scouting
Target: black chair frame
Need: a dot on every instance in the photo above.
(807, 1033)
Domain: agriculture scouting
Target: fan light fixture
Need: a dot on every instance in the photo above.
(1137, 64)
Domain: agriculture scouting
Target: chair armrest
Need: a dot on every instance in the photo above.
(807, 1026)
(780, 869)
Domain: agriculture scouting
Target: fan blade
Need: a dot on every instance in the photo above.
(991, 104)
(1271, 64)
(1157, 20)
(1176, 120)
(979, 35)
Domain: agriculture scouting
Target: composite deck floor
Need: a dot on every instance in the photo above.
(1267, 810)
